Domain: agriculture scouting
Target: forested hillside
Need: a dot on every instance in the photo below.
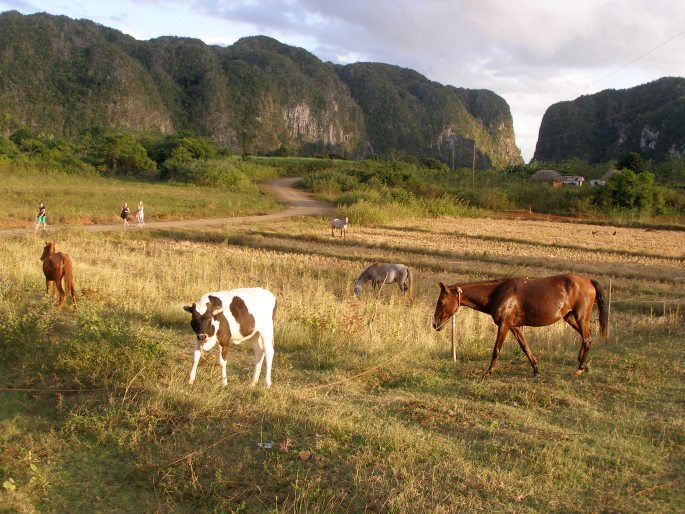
(59, 75)
(647, 119)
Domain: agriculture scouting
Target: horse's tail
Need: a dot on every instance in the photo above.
(410, 283)
(68, 278)
(603, 308)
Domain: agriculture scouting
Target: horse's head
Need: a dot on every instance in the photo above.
(357, 289)
(448, 304)
(48, 250)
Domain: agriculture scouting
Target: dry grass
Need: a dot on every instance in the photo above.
(367, 411)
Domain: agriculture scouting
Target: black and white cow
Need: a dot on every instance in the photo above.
(233, 317)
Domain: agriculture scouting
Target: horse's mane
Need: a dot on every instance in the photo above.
(492, 281)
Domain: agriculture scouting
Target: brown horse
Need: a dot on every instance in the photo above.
(518, 302)
(57, 266)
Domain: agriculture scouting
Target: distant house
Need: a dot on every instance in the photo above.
(605, 178)
(546, 176)
(556, 178)
(573, 180)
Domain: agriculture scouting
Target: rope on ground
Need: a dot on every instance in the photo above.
(628, 300)
(38, 390)
(357, 375)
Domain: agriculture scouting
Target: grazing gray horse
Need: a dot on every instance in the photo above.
(386, 273)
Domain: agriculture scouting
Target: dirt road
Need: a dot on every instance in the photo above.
(298, 202)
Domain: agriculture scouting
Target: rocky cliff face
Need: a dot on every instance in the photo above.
(647, 119)
(60, 75)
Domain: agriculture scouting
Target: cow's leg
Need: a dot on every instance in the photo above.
(259, 353)
(269, 354)
(518, 334)
(223, 358)
(502, 331)
(196, 359)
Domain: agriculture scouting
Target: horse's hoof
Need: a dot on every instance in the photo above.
(579, 372)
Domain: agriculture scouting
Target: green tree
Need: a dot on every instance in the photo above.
(119, 153)
(632, 161)
(631, 191)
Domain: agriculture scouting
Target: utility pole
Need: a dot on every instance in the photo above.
(473, 166)
(452, 154)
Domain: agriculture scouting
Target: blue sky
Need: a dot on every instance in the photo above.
(531, 52)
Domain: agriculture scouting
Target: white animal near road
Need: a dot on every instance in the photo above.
(341, 225)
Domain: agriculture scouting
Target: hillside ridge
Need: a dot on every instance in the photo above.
(59, 75)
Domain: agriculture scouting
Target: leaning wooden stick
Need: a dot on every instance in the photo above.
(454, 340)
(609, 311)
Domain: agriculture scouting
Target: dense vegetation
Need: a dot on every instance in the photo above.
(369, 191)
(597, 128)
(59, 75)
(86, 180)
(378, 192)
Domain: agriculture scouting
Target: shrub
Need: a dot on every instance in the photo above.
(8, 148)
(630, 191)
(222, 173)
(107, 351)
(360, 195)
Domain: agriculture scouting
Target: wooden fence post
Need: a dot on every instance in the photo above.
(609, 310)
(454, 341)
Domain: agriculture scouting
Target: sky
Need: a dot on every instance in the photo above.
(533, 53)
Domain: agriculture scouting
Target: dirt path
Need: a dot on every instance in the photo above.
(298, 202)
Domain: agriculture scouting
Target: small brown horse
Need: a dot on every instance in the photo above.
(518, 302)
(57, 266)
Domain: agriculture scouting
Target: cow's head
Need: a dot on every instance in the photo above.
(204, 322)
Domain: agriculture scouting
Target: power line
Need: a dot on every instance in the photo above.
(636, 59)
(622, 67)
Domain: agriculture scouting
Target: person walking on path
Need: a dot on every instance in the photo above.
(40, 217)
(140, 214)
(125, 213)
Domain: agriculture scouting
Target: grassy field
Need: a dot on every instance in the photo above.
(73, 199)
(367, 413)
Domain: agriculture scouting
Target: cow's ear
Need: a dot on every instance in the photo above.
(189, 309)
